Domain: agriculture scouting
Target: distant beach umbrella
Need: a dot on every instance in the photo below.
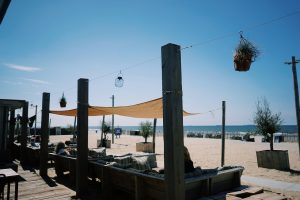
(119, 81)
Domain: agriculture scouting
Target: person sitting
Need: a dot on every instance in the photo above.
(60, 149)
(188, 163)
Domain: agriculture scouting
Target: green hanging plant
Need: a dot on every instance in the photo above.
(63, 101)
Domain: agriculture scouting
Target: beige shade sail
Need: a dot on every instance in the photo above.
(149, 109)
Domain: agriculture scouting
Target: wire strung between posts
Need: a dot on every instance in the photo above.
(249, 28)
(196, 44)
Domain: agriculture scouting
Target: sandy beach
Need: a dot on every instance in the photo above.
(206, 153)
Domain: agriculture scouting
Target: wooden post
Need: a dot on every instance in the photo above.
(173, 122)
(296, 92)
(44, 135)
(223, 132)
(74, 128)
(24, 132)
(103, 121)
(12, 124)
(154, 133)
(82, 138)
(113, 121)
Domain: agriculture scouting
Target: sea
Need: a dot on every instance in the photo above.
(210, 129)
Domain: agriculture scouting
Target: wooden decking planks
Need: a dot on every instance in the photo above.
(35, 187)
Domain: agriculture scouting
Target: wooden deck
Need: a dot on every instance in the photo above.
(35, 187)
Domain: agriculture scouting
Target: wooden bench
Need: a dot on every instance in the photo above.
(143, 186)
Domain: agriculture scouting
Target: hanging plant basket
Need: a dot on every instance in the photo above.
(63, 101)
(245, 54)
(242, 64)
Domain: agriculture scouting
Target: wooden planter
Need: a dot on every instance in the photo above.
(242, 65)
(106, 144)
(277, 159)
(144, 147)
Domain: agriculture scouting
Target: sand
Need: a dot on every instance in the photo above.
(206, 153)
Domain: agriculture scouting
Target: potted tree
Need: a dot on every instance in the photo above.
(105, 142)
(63, 101)
(146, 131)
(268, 123)
(245, 54)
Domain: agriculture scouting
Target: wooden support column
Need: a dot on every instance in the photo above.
(154, 134)
(173, 122)
(24, 132)
(12, 124)
(82, 138)
(223, 133)
(3, 128)
(44, 135)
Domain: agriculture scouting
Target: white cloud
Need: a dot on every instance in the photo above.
(37, 81)
(22, 67)
(12, 82)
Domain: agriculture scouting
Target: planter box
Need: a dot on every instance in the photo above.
(144, 147)
(108, 144)
(277, 159)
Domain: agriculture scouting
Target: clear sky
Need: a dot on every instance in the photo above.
(46, 46)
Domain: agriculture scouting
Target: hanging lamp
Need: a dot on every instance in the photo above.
(119, 81)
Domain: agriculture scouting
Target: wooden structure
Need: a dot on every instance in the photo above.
(7, 127)
(33, 186)
(44, 135)
(173, 121)
(82, 138)
(135, 185)
(277, 159)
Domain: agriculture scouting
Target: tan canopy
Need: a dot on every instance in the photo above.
(149, 109)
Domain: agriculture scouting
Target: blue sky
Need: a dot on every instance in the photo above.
(46, 46)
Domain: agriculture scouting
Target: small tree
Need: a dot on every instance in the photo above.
(266, 122)
(146, 129)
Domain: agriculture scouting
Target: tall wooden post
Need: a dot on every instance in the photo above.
(82, 139)
(44, 135)
(296, 91)
(102, 131)
(223, 132)
(154, 134)
(12, 124)
(113, 121)
(24, 132)
(173, 122)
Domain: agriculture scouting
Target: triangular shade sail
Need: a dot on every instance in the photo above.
(149, 109)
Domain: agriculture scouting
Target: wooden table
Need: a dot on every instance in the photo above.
(10, 176)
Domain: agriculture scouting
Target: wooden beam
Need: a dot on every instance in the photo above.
(173, 122)
(44, 135)
(24, 132)
(82, 139)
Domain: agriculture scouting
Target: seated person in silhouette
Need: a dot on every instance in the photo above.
(60, 149)
(188, 163)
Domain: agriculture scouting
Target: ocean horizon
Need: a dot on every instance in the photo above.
(211, 128)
